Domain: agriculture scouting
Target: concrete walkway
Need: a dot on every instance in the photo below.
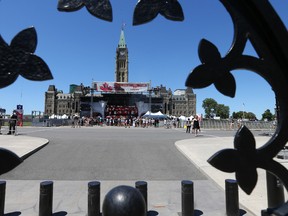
(23, 146)
(199, 150)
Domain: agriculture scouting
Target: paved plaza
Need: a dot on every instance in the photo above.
(187, 155)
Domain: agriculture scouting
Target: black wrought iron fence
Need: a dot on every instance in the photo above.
(254, 20)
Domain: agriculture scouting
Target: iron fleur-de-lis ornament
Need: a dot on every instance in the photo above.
(268, 36)
(19, 59)
(147, 10)
(99, 8)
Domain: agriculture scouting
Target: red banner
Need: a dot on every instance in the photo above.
(120, 87)
(19, 112)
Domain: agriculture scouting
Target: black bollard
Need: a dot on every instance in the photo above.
(187, 198)
(124, 201)
(142, 187)
(94, 198)
(232, 197)
(2, 197)
(275, 191)
(46, 198)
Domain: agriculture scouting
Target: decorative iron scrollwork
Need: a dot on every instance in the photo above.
(253, 20)
(147, 10)
(269, 38)
(98, 8)
(19, 59)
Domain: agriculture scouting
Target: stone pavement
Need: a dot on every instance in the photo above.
(164, 197)
(23, 146)
(203, 149)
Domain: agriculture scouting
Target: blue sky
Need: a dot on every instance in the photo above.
(79, 47)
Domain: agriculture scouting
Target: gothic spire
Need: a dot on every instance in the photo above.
(122, 43)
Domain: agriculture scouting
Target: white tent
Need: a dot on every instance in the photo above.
(191, 117)
(148, 113)
(55, 116)
(182, 117)
(52, 116)
(158, 114)
(64, 116)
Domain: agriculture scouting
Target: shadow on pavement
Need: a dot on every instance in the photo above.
(61, 213)
(152, 213)
(13, 214)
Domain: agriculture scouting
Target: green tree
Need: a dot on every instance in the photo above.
(267, 115)
(245, 115)
(238, 115)
(210, 106)
(251, 116)
(222, 111)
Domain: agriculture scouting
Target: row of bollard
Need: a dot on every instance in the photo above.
(187, 198)
(2, 196)
(231, 195)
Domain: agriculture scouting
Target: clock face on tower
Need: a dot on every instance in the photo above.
(122, 53)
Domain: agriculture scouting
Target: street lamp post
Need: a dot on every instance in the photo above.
(72, 105)
(243, 114)
(150, 91)
(91, 103)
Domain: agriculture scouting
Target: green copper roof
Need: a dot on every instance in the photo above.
(122, 43)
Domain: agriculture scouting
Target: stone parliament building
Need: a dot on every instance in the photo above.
(119, 98)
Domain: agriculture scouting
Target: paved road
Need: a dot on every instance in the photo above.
(117, 156)
(107, 153)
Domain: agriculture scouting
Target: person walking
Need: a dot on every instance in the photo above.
(188, 126)
(1, 122)
(12, 123)
(196, 125)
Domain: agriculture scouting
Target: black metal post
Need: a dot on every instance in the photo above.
(150, 92)
(92, 100)
(187, 198)
(275, 191)
(2, 197)
(142, 187)
(232, 197)
(94, 198)
(46, 198)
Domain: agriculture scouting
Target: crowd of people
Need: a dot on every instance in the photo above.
(141, 122)
(77, 121)
(120, 121)
(118, 110)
